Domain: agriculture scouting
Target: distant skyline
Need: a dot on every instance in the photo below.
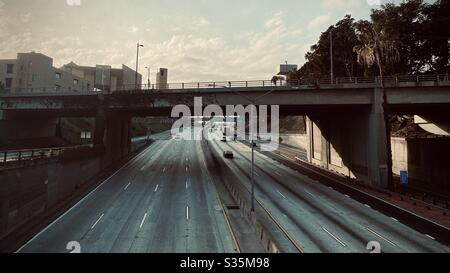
(196, 40)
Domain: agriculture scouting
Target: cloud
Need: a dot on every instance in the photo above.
(133, 29)
(347, 5)
(318, 23)
(194, 57)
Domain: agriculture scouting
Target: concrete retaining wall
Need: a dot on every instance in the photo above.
(29, 192)
(295, 140)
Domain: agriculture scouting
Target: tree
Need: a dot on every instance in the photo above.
(436, 29)
(378, 48)
(318, 58)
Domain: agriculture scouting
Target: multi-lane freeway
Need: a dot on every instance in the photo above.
(168, 200)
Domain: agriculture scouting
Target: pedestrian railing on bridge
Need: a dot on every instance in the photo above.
(339, 82)
(34, 154)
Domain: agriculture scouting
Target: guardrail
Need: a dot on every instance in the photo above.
(306, 82)
(34, 154)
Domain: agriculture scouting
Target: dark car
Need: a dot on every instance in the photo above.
(228, 154)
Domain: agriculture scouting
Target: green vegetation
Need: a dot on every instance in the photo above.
(410, 38)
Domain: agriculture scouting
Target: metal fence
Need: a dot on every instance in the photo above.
(34, 154)
(305, 83)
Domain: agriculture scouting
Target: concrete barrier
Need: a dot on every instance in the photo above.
(266, 230)
(28, 194)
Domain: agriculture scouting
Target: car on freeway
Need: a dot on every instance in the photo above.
(228, 154)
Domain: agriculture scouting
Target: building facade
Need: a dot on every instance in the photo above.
(34, 72)
(106, 78)
(161, 78)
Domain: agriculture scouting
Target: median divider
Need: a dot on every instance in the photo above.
(268, 232)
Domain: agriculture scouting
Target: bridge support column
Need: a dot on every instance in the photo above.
(353, 144)
(112, 133)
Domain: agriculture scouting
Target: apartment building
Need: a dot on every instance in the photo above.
(161, 78)
(34, 72)
(106, 78)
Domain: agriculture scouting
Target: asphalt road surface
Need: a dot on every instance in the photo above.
(163, 201)
(318, 217)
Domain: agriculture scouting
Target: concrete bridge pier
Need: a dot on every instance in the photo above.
(352, 144)
(112, 134)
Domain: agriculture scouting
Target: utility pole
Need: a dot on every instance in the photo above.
(148, 77)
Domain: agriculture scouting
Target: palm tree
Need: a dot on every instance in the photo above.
(378, 48)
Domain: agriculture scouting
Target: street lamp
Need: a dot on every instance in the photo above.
(148, 76)
(137, 65)
(331, 55)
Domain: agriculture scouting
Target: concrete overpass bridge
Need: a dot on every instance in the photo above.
(346, 113)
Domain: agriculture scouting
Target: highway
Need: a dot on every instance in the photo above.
(163, 201)
(320, 218)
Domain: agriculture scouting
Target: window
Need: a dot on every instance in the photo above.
(57, 87)
(58, 75)
(10, 68)
(34, 77)
(8, 82)
(75, 82)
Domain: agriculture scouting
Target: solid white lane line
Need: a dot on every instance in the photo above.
(156, 189)
(126, 187)
(98, 220)
(431, 237)
(380, 236)
(368, 206)
(334, 237)
(187, 213)
(396, 220)
(143, 221)
(281, 194)
(309, 193)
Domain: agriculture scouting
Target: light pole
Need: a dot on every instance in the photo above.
(137, 65)
(331, 55)
(253, 163)
(253, 144)
(148, 77)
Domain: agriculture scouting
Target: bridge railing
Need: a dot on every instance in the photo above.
(34, 154)
(295, 83)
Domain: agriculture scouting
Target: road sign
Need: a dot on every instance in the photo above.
(403, 177)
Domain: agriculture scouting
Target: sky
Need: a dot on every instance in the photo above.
(197, 40)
